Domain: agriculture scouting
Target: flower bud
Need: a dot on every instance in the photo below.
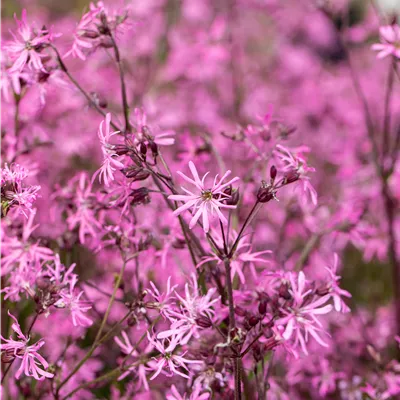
(265, 194)
(121, 149)
(272, 172)
(240, 311)
(140, 196)
(262, 306)
(254, 320)
(90, 34)
(234, 199)
(143, 148)
(284, 292)
(203, 321)
(290, 177)
(154, 148)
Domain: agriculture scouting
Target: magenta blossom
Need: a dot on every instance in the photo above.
(110, 157)
(33, 364)
(390, 41)
(300, 319)
(207, 201)
(27, 45)
(167, 359)
(195, 395)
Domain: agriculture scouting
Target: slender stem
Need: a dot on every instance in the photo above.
(249, 218)
(223, 237)
(125, 104)
(79, 87)
(97, 340)
(387, 113)
(244, 352)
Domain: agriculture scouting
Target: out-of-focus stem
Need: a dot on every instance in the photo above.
(125, 104)
(80, 88)
(387, 113)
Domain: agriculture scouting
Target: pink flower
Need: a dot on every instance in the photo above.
(295, 166)
(192, 306)
(335, 291)
(33, 364)
(15, 192)
(243, 255)
(110, 161)
(195, 395)
(300, 319)
(143, 133)
(70, 301)
(162, 301)
(167, 359)
(26, 47)
(206, 201)
(127, 348)
(390, 41)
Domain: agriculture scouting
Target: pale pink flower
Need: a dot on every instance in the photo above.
(295, 164)
(143, 134)
(325, 380)
(335, 291)
(167, 359)
(32, 364)
(110, 157)
(26, 47)
(192, 306)
(162, 300)
(71, 302)
(206, 201)
(390, 41)
(195, 395)
(243, 255)
(127, 348)
(300, 319)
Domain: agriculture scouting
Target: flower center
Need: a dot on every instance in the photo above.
(206, 195)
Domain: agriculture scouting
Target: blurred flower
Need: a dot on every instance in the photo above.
(390, 41)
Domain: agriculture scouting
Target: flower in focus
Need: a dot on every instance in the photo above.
(206, 200)
(296, 169)
(162, 300)
(110, 162)
(33, 364)
(172, 361)
(192, 307)
(301, 317)
(15, 193)
(70, 301)
(390, 41)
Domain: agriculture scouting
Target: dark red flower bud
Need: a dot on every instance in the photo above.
(143, 148)
(203, 321)
(234, 199)
(140, 196)
(240, 311)
(254, 320)
(121, 149)
(154, 148)
(265, 194)
(90, 34)
(291, 176)
(272, 172)
(284, 292)
(262, 306)
(268, 333)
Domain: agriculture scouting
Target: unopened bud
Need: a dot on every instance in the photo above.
(284, 292)
(291, 176)
(203, 321)
(262, 306)
(154, 148)
(143, 148)
(240, 311)
(265, 193)
(254, 320)
(121, 149)
(90, 34)
(272, 172)
(140, 196)
(234, 199)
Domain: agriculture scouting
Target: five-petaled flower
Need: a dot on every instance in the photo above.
(33, 364)
(206, 200)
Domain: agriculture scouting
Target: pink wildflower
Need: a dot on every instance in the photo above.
(206, 201)
(302, 315)
(295, 166)
(169, 360)
(110, 161)
(390, 41)
(195, 395)
(70, 301)
(26, 47)
(335, 291)
(33, 364)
